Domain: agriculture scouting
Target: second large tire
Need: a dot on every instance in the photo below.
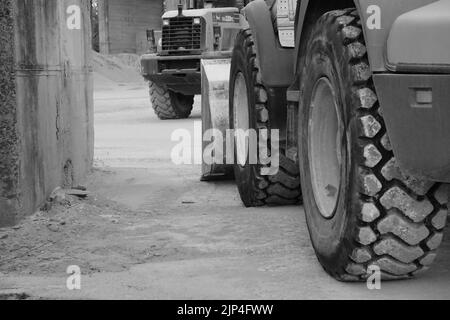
(254, 188)
(170, 105)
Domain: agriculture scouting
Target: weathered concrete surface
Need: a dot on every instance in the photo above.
(123, 24)
(9, 148)
(47, 122)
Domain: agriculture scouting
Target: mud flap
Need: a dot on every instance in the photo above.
(215, 117)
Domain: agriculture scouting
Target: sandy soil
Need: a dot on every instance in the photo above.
(151, 230)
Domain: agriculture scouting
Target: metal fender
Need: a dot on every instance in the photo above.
(276, 63)
(376, 35)
(419, 41)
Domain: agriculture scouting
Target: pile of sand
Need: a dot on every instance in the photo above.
(129, 59)
(113, 70)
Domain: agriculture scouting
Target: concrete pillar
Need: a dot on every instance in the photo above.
(103, 25)
(9, 138)
(46, 115)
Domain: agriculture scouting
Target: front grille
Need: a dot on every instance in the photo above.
(181, 35)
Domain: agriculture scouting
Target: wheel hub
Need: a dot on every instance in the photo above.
(241, 117)
(325, 147)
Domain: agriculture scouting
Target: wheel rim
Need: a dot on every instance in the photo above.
(325, 148)
(241, 116)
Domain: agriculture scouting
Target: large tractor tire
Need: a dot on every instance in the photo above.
(249, 110)
(361, 210)
(168, 104)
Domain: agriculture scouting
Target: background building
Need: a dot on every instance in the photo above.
(123, 24)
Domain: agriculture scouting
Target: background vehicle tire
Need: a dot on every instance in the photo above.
(254, 188)
(361, 210)
(168, 104)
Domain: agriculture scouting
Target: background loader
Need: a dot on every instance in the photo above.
(359, 93)
(197, 31)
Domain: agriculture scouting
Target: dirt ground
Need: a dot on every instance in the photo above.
(151, 230)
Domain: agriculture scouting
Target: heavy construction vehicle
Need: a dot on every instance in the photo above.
(198, 30)
(359, 93)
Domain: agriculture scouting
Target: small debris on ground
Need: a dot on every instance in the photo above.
(77, 193)
(53, 227)
(14, 296)
(59, 195)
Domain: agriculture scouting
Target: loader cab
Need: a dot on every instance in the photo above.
(220, 3)
(185, 4)
(191, 4)
(206, 4)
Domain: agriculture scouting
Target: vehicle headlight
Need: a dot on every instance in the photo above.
(197, 21)
(166, 22)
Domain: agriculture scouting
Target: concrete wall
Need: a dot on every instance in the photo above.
(123, 24)
(47, 103)
(9, 146)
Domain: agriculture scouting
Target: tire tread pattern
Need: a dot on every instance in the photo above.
(284, 187)
(401, 219)
(164, 106)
